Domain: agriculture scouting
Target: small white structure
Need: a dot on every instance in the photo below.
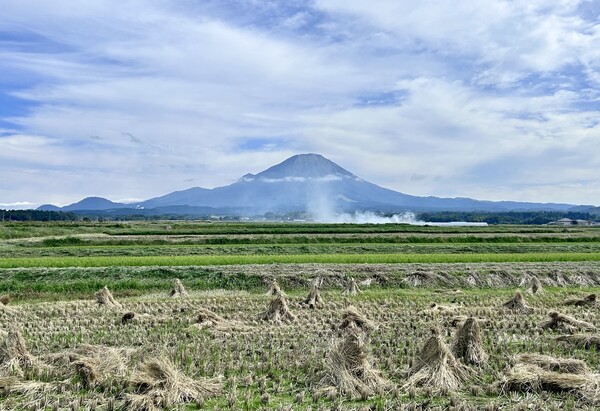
(568, 222)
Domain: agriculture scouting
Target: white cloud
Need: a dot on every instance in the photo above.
(129, 200)
(508, 40)
(19, 205)
(508, 87)
(297, 179)
(444, 131)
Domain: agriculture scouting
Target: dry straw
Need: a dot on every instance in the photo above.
(97, 365)
(518, 304)
(314, 299)
(354, 319)
(367, 282)
(435, 308)
(565, 323)
(105, 298)
(275, 289)
(419, 279)
(459, 320)
(33, 391)
(588, 300)
(349, 366)
(532, 378)
(436, 367)
(585, 341)
(278, 311)
(548, 363)
(535, 286)
(561, 279)
(14, 355)
(468, 345)
(352, 288)
(157, 385)
(178, 290)
(207, 319)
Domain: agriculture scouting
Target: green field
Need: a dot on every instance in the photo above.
(82, 356)
(42, 229)
(135, 261)
(185, 243)
(35, 249)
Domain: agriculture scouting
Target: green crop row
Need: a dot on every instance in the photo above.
(13, 230)
(187, 260)
(332, 238)
(319, 248)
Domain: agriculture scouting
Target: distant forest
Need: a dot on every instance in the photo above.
(37, 215)
(528, 217)
(511, 217)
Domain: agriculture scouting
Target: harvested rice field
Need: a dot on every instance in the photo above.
(244, 352)
(299, 336)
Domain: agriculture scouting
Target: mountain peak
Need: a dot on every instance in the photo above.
(309, 165)
(93, 203)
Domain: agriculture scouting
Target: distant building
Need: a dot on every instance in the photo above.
(564, 221)
(569, 222)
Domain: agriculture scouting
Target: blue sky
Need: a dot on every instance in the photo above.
(137, 98)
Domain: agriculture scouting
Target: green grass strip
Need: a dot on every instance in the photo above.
(135, 261)
(330, 243)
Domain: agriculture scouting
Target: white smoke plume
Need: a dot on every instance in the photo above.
(323, 208)
(369, 217)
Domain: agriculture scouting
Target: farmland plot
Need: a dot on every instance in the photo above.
(266, 364)
(460, 329)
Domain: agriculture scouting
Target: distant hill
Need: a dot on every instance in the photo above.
(94, 203)
(308, 182)
(48, 207)
(88, 203)
(587, 209)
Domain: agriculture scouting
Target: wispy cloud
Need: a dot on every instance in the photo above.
(18, 205)
(497, 102)
(296, 179)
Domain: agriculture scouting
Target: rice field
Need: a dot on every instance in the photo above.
(390, 331)
(266, 365)
(16, 230)
(161, 261)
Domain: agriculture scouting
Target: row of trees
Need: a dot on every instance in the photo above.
(512, 217)
(37, 215)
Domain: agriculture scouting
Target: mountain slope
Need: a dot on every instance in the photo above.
(313, 183)
(307, 182)
(303, 166)
(48, 207)
(93, 203)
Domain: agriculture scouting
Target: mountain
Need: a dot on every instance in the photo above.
(302, 166)
(307, 182)
(93, 204)
(48, 207)
(313, 183)
(303, 182)
(586, 209)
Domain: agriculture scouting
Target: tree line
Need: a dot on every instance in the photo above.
(37, 215)
(510, 217)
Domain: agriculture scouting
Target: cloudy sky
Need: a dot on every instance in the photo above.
(126, 99)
